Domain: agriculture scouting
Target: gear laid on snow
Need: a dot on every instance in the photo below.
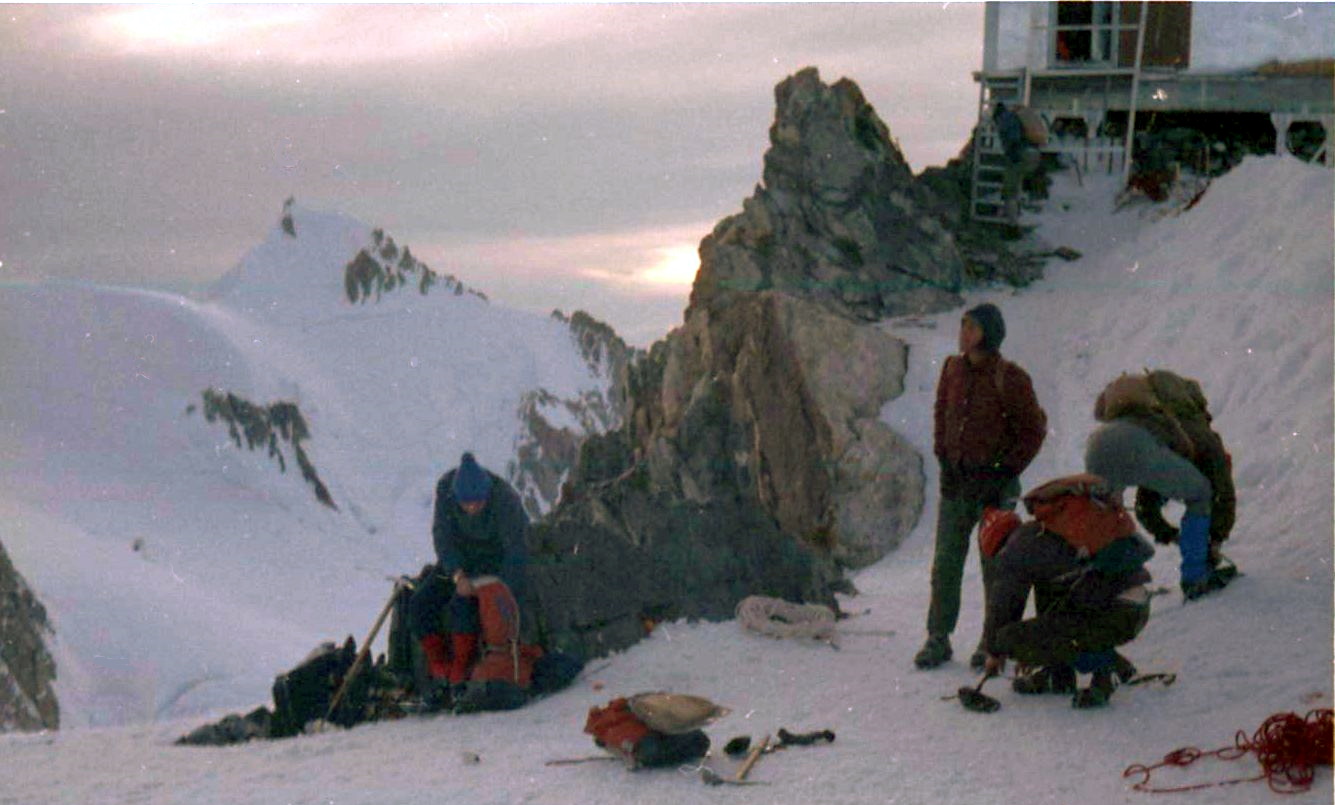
(1288, 746)
(778, 618)
(674, 713)
(617, 728)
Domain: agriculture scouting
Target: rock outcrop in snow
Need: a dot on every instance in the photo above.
(27, 699)
(753, 460)
(269, 427)
(552, 428)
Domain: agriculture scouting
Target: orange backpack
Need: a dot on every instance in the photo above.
(996, 526)
(1082, 509)
(615, 728)
(504, 658)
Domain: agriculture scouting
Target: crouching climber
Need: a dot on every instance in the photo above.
(1084, 561)
(465, 614)
(1157, 436)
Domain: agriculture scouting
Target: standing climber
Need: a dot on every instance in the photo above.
(988, 426)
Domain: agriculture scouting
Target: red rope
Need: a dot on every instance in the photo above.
(1288, 746)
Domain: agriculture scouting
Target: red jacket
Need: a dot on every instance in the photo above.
(988, 422)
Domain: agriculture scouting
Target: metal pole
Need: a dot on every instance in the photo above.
(1135, 93)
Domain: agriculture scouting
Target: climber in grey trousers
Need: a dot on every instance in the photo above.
(1124, 453)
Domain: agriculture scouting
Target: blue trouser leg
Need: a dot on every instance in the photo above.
(1194, 542)
(1128, 455)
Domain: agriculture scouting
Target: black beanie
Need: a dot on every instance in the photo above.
(989, 320)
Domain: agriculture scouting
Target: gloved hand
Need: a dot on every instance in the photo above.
(994, 665)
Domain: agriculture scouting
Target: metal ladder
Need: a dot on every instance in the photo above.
(989, 160)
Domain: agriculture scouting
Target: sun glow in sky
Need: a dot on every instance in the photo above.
(182, 27)
(676, 266)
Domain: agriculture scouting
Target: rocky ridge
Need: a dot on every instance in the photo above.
(27, 671)
(753, 460)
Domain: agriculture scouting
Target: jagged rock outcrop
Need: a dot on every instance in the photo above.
(382, 267)
(268, 427)
(554, 427)
(27, 672)
(753, 459)
(838, 218)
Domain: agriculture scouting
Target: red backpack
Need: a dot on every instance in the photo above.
(1082, 509)
(504, 658)
(615, 728)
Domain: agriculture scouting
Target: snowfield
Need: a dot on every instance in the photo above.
(242, 572)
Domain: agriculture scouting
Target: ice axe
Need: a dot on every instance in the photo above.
(974, 699)
(399, 584)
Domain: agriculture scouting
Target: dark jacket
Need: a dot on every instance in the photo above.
(1010, 130)
(495, 542)
(987, 423)
(1039, 560)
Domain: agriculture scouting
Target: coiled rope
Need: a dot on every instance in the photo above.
(778, 618)
(1289, 747)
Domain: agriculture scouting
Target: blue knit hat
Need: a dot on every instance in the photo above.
(471, 482)
(988, 318)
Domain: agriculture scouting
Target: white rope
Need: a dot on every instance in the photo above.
(778, 618)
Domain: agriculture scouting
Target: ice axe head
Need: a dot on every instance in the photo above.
(974, 699)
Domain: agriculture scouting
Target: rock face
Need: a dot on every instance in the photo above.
(269, 427)
(838, 218)
(752, 460)
(27, 700)
(554, 427)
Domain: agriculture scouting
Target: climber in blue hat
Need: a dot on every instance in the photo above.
(480, 533)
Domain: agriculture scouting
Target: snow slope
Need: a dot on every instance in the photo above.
(1236, 292)
(179, 569)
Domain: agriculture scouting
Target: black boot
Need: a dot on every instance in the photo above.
(439, 697)
(934, 652)
(1123, 668)
(1098, 693)
(1048, 679)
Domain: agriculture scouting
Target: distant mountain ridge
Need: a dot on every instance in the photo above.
(105, 443)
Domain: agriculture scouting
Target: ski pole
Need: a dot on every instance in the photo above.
(365, 650)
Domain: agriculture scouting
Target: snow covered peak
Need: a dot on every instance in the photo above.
(315, 265)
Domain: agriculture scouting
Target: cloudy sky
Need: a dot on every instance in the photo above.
(551, 155)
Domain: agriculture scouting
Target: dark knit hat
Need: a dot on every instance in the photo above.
(471, 482)
(989, 320)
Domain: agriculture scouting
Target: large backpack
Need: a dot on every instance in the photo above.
(1173, 406)
(618, 729)
(1033, 125)
(1082, 509)
(304, 693)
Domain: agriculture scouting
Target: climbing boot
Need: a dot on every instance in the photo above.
(1217, 579)
(1100, 690)
(1124, 668)
(933, 653)
(1047, 679)
(439, 697)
